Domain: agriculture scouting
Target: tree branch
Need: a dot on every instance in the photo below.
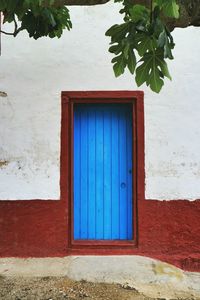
(7, 33)
(15, 22)
(16, 29)
(59, 3)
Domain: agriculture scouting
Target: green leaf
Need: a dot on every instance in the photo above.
(111, 30)
(162, 39)
(170, 8)
(145, 43)
(142, 72)
(116, 58)
(131, 62)
(115, 49)
(152, 70)
(139, 12)
(50, 17)
(165, 41)
(164, 69)
(119, 66)
(10, 5)
(2, 5)
(126, 50)
(154, 81)
(118, 32)
(116, 29)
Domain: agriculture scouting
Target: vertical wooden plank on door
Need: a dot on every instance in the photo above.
(99, 192)
(129, 163)
(122, 175)
(107, 152)
(115, 174)
(91, 173)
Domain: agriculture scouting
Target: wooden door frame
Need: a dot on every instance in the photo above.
(75, 247)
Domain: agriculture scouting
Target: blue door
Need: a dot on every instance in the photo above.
(103, 172)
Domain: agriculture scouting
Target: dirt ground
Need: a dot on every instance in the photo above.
(52, 288)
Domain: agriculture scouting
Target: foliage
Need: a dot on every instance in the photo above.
(39, 18)
(142, 43)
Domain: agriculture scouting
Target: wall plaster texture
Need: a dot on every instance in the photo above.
(32, 76)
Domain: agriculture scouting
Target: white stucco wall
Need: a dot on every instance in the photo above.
(33, 74)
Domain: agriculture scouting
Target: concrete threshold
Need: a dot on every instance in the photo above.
(151, 277)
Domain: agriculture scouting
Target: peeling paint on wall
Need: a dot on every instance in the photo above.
(3, 163)
(3, 94)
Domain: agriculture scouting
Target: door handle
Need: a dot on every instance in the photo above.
(123, 185)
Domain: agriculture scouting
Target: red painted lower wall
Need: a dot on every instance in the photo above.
(167, 230)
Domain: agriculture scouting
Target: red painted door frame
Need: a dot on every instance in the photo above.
(68, 99)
